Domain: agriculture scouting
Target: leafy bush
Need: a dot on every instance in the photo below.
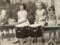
(31, 8)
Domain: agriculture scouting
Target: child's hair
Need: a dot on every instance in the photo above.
(44, 6)
(38, 3)
(53, 8)
(49, 9)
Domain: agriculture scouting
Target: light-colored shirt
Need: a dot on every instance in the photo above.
(40, 17)
(40, 14)
(22, 17)
(51, 20)
(2, 17)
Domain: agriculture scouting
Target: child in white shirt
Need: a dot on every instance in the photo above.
(40, 16)
(22, 18)
(3, 20)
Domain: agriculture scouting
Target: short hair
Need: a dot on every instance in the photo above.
(44, 6)
(38, 3)
(53, 8)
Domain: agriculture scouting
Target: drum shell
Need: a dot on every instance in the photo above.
(22, 32)
(35, 32)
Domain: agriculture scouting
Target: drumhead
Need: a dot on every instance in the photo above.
(20, 26)
(34, 25)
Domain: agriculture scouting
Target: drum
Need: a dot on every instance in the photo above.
(35, 31)
(22, 32)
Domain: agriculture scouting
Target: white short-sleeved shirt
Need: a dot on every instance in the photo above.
(40, 16)
(22, 16)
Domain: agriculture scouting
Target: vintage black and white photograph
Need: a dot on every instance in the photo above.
(29, 22)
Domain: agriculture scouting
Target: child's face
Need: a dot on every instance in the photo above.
(21, 7)
(39, 6)
(3, 12)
